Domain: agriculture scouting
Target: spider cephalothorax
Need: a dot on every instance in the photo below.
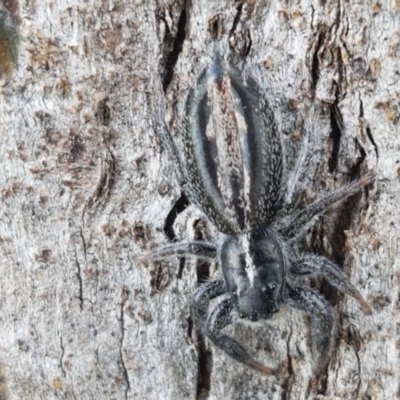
(254, 268)
(231, 162)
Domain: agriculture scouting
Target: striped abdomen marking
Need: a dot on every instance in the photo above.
(233, 154)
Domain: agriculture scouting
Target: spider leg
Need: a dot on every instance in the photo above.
(221, 317)
(202, 297)
(162, 130)
(300, 220)
(312, 265)
(203, 250)
(293, 183)
(321, 321)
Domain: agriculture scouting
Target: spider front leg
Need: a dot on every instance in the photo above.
(202, 297)
(321, 321)
(203, 250)
(313, 265)
(221, 317)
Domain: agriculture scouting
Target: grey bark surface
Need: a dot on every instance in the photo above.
(85, 185)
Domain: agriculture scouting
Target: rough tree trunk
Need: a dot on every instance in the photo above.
(85, 186)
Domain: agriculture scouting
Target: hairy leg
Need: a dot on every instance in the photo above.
(221, 317)
(317, 265)
(294, 186)
(202, 297)
(161, 128)
(203, 250)
(300, 220)
(321, 321)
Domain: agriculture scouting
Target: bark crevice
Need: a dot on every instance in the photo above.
(335, 136)
(80, 282)
(121, 344)
(173, 55)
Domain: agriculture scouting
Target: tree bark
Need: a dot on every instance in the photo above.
(86, 185)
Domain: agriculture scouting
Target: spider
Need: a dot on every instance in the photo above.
(231, 161)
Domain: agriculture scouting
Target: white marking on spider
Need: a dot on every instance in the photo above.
(250, 267)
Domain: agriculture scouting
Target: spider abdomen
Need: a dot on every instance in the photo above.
(232, 150)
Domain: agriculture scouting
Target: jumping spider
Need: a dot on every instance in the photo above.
(232, 165)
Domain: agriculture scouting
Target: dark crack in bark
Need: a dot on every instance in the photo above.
(205, 356)
(181, 204)
(62, 356)
(357, 393)
(172, 56)
(360, 159)
(121, 343)
(289, 381)
(314, 59)
(335, 136)
(371, 139)
(83, 243)
(368, 131)
(80, 283)
(204, 374)
(240, 36)
(178, 207)
(236, 20)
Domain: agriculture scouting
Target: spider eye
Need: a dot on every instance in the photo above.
(234, 294)
(272, 287)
